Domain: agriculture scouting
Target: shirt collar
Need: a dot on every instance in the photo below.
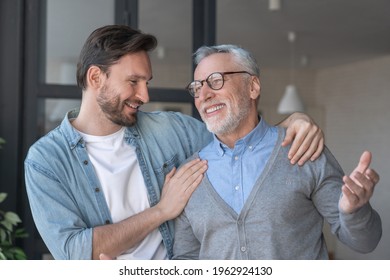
(71, 134)
(251, 140)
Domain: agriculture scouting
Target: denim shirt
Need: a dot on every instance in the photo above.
(64, 192)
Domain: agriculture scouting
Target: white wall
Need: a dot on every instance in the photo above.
(356, 99)
(351, 104)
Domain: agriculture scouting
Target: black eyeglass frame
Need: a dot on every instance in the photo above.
(191, 91)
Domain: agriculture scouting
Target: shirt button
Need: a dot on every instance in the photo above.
(97, 190)
(243, 249)
(250, 147)
(237, 188)
(107, 222)
(85, 162)
(236, 157)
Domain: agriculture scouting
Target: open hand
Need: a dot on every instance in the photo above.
(359, 187)
(179, 186)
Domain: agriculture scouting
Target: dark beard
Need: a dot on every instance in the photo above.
(113, 108)
(123, 120)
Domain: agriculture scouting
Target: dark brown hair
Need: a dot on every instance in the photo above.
(107, 44)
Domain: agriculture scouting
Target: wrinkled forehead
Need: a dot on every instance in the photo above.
(217, 62)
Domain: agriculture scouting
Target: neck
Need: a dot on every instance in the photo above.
(91, 120)
(243, 129)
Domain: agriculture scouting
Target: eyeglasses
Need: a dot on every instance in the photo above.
(215, 81)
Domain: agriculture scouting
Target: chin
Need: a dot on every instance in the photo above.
(131, 122)
(128, 120)
(214, 129)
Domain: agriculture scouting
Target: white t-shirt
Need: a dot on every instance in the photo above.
(123, 185)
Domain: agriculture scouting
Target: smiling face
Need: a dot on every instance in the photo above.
(125, 88)
(231, 110)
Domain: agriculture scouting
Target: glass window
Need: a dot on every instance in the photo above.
(51, 111)
(68, 24)
(170, 21)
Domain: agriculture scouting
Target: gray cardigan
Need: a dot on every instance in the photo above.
(281, 219)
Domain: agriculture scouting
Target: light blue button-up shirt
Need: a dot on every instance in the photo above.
(65, 195)
(231, 178)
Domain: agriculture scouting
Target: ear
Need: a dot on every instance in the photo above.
(255, 88)
(95, 77)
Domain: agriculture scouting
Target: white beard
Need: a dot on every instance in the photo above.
(223, 126)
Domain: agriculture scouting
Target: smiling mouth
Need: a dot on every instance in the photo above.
(133, 105)
(214, 108)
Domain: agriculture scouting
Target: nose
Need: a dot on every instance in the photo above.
(205, 92)
(143, 93)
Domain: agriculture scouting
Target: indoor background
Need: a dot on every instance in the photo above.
(339, 63)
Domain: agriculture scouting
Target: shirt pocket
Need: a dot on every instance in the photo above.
(163, 169)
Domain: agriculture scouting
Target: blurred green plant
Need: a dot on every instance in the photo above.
(9, 232)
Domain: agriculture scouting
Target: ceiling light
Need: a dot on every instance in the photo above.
(291, 101)
(274, 5)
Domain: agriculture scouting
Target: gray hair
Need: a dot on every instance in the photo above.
(241, 56)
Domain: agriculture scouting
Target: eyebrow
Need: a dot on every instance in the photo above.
(138, 77)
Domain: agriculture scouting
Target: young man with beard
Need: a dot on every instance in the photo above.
(105, 180)
(252, 203)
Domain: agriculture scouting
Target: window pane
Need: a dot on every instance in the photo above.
(170, 21)
(51, 112)
(68, 24)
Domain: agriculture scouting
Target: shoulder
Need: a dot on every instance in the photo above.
(325, 163)
(192, 157)
(51, 146)
(169, 124)
(168, 117)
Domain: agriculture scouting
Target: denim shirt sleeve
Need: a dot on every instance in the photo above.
(64, 193)
(56, 217)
